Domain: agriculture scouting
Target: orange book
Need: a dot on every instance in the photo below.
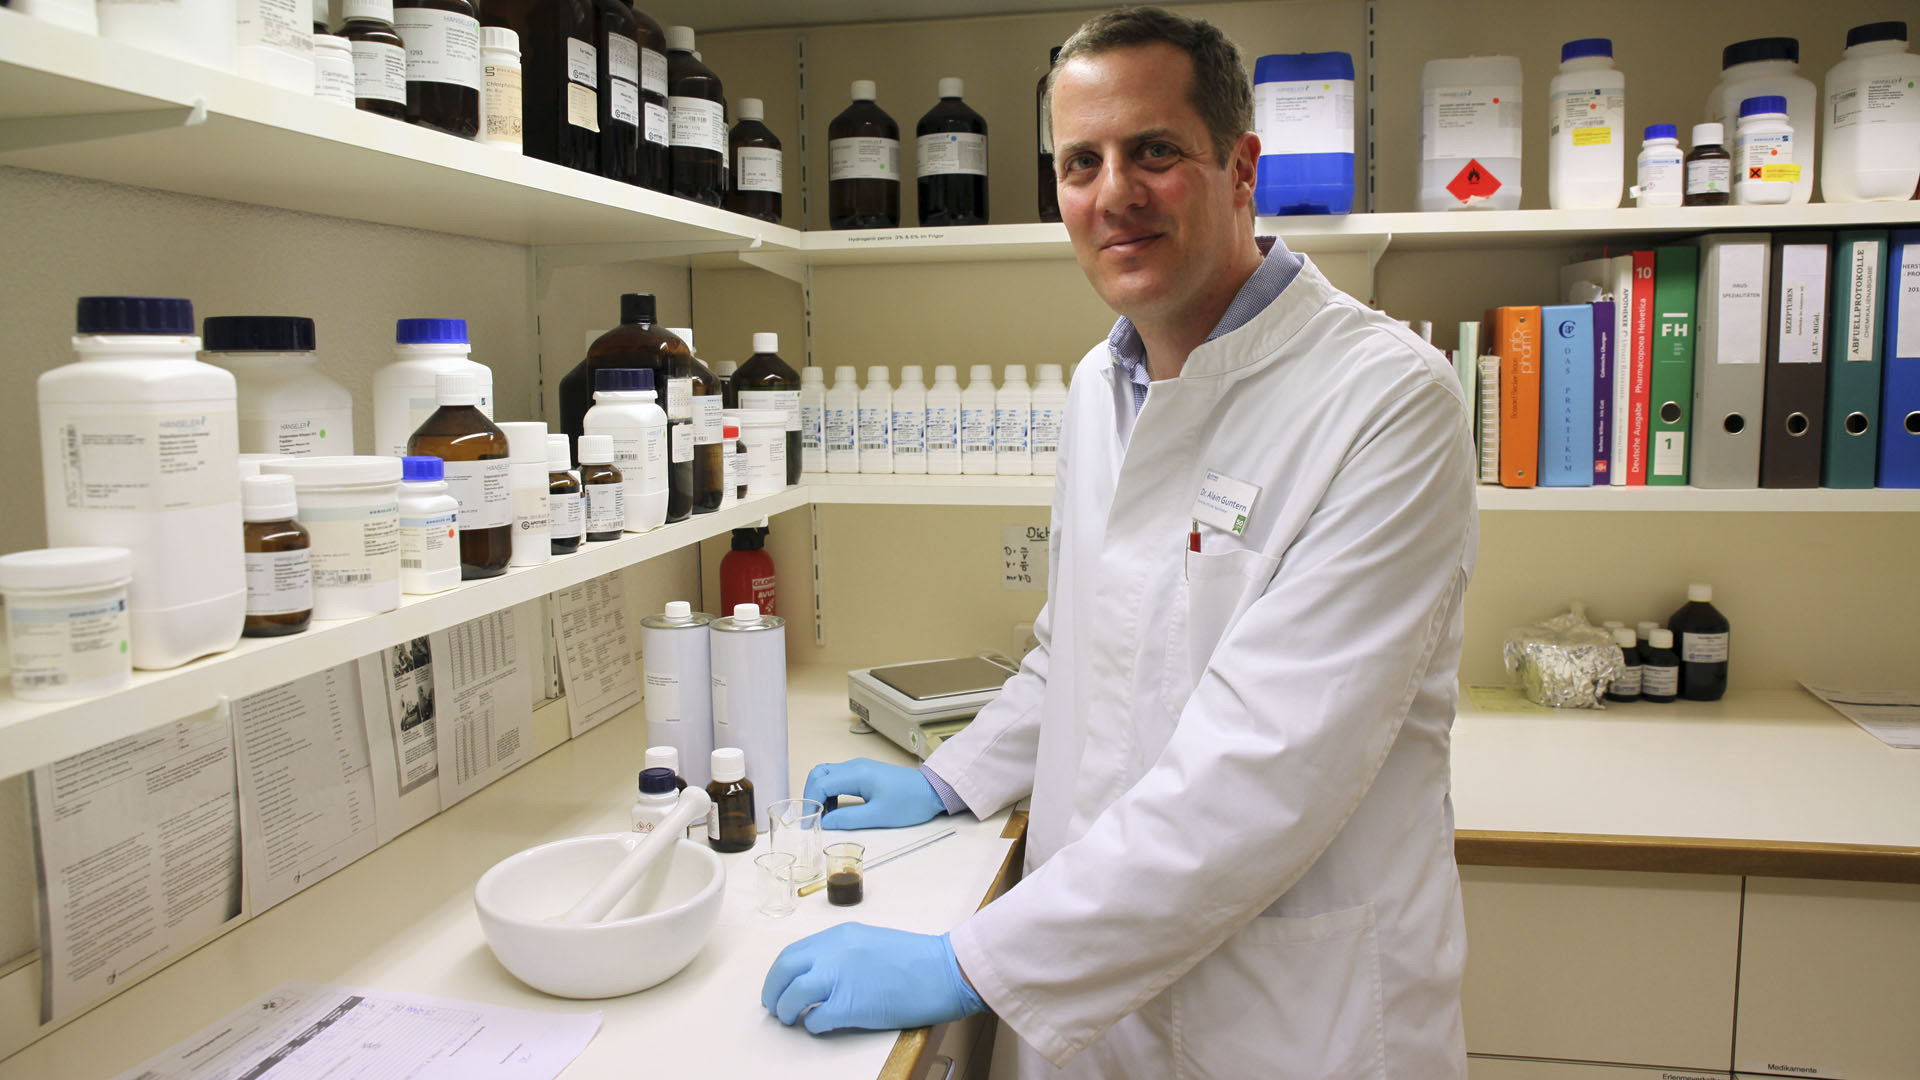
(1514, 334)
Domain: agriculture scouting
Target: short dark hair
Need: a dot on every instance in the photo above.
(1221, 92)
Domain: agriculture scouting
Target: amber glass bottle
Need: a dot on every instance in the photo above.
(559, 110)
(755, 154)
(697, 112)
(767, 382)
(379, 58)
(654, 167)
(639, 343)
(443, 75)
(603, 489)
(706, 397)
(950, 158)
(279, 570)
(863, 165)
(619, 108)
(1049, 193)
(730, 823)
(477, 472)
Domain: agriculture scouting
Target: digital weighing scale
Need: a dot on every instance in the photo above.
(919, 705)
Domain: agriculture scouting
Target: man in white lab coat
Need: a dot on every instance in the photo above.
(1235, 726)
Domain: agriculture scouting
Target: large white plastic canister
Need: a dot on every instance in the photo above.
(1766, 67)
(1872, 152)
(1586, 128)
(1470, 134)
(139, 449)
(286, 407)
(403, 391)
(201, 31)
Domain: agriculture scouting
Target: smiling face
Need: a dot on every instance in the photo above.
(1160, 227)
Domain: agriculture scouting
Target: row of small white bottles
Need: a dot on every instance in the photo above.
(1009, 430)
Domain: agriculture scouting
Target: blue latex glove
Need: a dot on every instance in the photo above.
(895, 795)
(859, 976)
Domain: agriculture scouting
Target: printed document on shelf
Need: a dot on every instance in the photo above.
(596, 651)
(483, 703)
(308, 1031)
(396, 695)
(306, 782)
(137, 855)
(1892, 716)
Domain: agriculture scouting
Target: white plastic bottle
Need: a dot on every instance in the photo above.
(286, 407)
(1012, 424)
(658, 796)
(1770, 66)
(139, 449)
(813, 420)
(273, 42)
(429, 528)
(1470, 134)
(841, 421)
(1764, 143)
(1586, 128)
(976, 422)
(943, 422)
(528, 486)
(403, 395)
(1049, 419)
(876, 422)
(201, 32)
(910, 422)
(625, 409)
(1872, 152)
(1659, 179)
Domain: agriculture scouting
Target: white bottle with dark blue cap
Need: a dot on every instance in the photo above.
(1767, 66)
(1660, 178)
(625, 410)
(429, 528)
(1586, 128)
(403, 395)
(1764, 168)
(139, 449)
(286, 406)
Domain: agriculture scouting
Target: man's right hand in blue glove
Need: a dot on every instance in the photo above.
(894, 795)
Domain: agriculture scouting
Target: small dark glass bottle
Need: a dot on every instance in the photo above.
(705, 395)
(1701, 632)
(863, 165)
(604, 489)
(767, 382)
(477, 473)
(619, 105)
(279, 569)
(654, 164)
(559, 67)
(379, 57)
(697, 116)
(1049, 192)
(1709, 168)
(1627, 686)
(730, 824)
(1660, 668)
(443, 74)
(638, 343)
(950, 159)
(565, 509)
(755, 154)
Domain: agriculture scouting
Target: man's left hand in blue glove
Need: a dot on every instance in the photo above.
(859, 976)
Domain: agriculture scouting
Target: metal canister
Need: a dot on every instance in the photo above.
(750, 697)
(675, 663)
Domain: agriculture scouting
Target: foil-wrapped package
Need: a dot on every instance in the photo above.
(1564, 662)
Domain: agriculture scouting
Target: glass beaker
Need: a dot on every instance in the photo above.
(845, 879)
(776, 897)
(793, 827)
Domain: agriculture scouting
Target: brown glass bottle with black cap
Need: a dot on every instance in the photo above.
(863, 165)
(1049, 193)
(443, 78)
(653, 164)
(697, 112)
(379, 57)
(477, 469)
(559, 64)
(754, 151)
(702, 396)
(765, 381)
(619, 107)
(950, 160)
(638, 342)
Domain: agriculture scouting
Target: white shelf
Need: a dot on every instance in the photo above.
(1699, 500)
(857, 490)
(34, 733)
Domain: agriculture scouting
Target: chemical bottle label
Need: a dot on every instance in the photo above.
(1628, 685)
(354, 546)
(736, 469)
(298, 434)
(812, 422)
(1589, 117)
(976, 431)
(532, 511)
(708, 425)
(141, 461)
(680, 436)
(279, 582)
(1473, 181)
(623, 59)
(942, 429)
(1313, 116)
(756, 168)
(583, 107)
(839, 430)
(502, 105)
(909, 431)
(280, 24)
(1709, 175)
(863, 157)
(1471, 122)
(55, 647)
(680, 399)
(480, 487)
(583, 64)
(1883, 99)
(698, 123)
(1660, 177)
(1010, 430)
(656, 129)
(876, 433)
(951, 153)
(380, 71)
(1046, 430)
(606, 508)
(442, 46)
(623, 102)
(784, 402)
(1657, 681)
(429, 542)
(1767, 158)
(1703, 648)
(565, 514)
(653, 72)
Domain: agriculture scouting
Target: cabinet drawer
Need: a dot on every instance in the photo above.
(1600, 966)
(1829, 977)
(1493, 1068)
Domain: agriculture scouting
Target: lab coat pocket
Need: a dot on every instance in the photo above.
(1285, 999)
(1215, 590)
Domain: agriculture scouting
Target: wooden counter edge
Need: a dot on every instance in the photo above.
(1688, 855)
(904, 1062)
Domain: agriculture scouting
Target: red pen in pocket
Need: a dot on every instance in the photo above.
(1193, 538)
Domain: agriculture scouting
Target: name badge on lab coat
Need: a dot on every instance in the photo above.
(1224, 503)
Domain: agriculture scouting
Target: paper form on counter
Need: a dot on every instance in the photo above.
(306, 783)
(1892, 716)
(138, 857)
(396, 695)
(306, 1031)
(596, 651)
(483, 704)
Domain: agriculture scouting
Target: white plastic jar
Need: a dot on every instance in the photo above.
(333, 75)
(403, 391)
(1470, 134)
(286, 407)
(273, 43)
(1660, 176)
(1769, 66)
(139, 449)
(429, 528)
(1872, 152)
(200, 31)
(500, 91)
(351, 508)
(765, 433)
(1763, 167)
(67, 629)
(1586, 128)
(528, 488)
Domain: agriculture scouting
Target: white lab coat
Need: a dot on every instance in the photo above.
(1240, 856)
